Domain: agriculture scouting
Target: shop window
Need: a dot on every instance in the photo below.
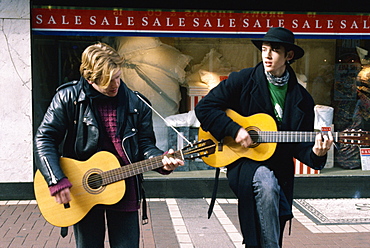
(176, 72)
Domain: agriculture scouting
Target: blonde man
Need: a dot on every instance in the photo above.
(99, 113)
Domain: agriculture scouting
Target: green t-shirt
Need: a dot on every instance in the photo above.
(278, 94)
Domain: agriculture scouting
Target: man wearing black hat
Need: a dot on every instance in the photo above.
(265, 188)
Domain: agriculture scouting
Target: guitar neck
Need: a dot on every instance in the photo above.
(130, 170)
(286, 136)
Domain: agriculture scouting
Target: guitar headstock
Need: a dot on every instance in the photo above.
(354, 137)
(199, 149)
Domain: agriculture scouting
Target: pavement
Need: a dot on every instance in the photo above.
(178, 223)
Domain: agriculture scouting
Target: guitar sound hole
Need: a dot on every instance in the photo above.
(254, 136)
(95, 181)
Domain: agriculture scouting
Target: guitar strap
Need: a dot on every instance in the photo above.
(217, 175)
(214, 193)
(144, 208)
(168, 124)
(64, 231)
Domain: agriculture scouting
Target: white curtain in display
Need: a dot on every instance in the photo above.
(156, 70)
(209, 72)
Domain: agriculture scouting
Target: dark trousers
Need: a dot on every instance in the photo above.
(123, 229)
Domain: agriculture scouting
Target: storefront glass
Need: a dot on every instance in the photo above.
(175, 71)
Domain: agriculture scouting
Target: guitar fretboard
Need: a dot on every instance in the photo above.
(130, 170)
(285, 136)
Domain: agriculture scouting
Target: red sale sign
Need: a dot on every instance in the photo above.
(365, 158)
(365, 151)
(325, 129)
(194, 22)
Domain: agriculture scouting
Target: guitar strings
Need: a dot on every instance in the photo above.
(283, 136)
(119, 174)
(129, 170)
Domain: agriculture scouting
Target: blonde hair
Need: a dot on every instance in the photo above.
(99, 63)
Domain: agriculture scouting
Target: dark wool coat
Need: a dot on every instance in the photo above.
(247, 93)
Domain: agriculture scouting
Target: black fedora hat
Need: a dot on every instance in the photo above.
(280, 35)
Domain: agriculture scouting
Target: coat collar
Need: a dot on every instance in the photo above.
(123, 92)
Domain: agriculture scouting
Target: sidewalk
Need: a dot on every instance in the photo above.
(176, 223)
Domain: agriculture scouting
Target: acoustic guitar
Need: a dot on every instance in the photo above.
(263, 131)
(100, 180)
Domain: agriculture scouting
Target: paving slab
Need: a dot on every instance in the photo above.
(182, 223)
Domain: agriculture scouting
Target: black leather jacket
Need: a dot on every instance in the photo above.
(69, 123)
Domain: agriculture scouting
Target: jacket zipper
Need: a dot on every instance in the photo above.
(136, 176)
(52, 176)
(123, 147)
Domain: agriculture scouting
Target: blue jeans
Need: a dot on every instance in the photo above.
(123, 229)
(267, 195)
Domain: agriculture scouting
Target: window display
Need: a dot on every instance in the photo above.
(176, 72)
